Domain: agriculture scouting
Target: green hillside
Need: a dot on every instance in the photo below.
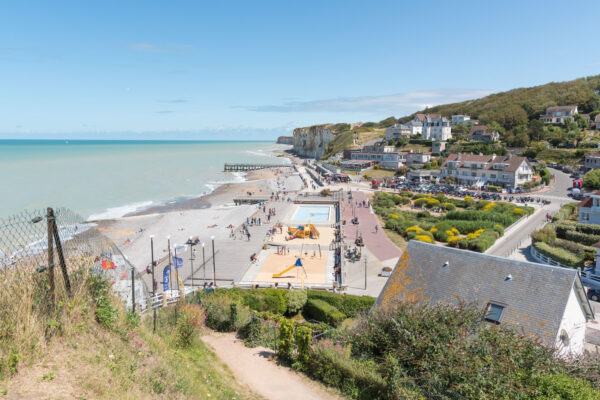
(515, 107)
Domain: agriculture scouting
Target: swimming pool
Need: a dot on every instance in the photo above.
(312, 213)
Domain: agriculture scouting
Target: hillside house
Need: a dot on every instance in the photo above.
(397, 131)
(506, 289)
(592, 161)
(559, 114)
(589, 209)
(386, 160)
(462, 119)
(415, 127)
(436, 127)
(438, 147)
(479, 170)
(482, 133)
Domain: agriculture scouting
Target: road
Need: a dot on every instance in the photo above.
(515, 243)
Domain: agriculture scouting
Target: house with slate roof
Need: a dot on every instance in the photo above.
(481, 133)
(479, 170)
(541, 301)
(559, 114)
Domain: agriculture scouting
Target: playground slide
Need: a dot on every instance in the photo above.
(284, 271)
(295, 234)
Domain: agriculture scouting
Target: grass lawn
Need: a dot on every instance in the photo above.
(394, 236)
(379, 174)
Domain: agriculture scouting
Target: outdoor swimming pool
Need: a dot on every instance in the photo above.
(312, 213)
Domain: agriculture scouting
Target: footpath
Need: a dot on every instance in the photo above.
(254, 368)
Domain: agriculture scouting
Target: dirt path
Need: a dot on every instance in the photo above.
(252, 367)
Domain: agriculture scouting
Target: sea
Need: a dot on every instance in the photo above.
(108, 179)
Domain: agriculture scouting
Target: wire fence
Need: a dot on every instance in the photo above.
(59, 243)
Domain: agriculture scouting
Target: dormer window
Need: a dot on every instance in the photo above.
(493, 313)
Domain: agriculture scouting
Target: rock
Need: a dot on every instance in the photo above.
(312, 141)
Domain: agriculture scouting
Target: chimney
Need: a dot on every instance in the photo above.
(480, 154)
(493, 156)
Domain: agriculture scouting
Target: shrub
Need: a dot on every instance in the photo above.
(558, 254)
(518, 211)
(489, 206)
(100, 288)
(348, 304)
(561, 386)
(420, 202)
(218, 308)
(432, 203)
(546, 235)
(424, 238)
(322, 311)
(296, 299)
(492, 188)
(303, 346)
(586, 239)
(189, 324)
(275, 300)
(499, 229)
(285, 341)
(449, 207)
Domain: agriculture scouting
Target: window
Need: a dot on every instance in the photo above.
(493, 312)
(585, 216)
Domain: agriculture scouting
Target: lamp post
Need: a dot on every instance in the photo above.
(153, 263)
(203, 263)
(170, 270)
(212, 238)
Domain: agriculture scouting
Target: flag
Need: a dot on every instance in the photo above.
(166, 274)
(178, 261)
(107, 264)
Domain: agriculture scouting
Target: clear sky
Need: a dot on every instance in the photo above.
(219, 69)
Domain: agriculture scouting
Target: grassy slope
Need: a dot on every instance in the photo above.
(86, 360)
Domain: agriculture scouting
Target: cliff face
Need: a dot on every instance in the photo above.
(311, 141)
(285, 140)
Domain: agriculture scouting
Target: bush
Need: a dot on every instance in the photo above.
(546, 235)
(322, 311)
(586, 239)
(424, 238)
(219, 312)
(285, 341)
(106, 313)
(558, 254)
(432, 203)
(492, 188)
(449, 207)
(591, 180)
(296, 299)
(356, 380)
(275, 300)
(561, 386)
(189, 324)
(478, 215)
(348, 304)
(420, 202)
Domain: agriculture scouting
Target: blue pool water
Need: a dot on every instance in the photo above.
(312, 213)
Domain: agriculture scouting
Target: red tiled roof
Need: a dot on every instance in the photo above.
(586, 203)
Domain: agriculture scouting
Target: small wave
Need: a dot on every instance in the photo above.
(118, 212)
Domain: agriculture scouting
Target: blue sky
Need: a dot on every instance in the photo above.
(257, 69)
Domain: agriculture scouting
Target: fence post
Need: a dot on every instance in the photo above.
(50, 218)
(59, 251)
(132, 289)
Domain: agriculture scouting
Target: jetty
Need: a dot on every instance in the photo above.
(249, 200)
(250, 167)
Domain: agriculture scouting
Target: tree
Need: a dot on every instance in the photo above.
(536, 129)
(591, 180)
(387, 122)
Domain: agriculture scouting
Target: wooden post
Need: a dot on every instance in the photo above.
(50, 218)
(61, 257)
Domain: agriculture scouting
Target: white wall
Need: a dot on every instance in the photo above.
(573, 322)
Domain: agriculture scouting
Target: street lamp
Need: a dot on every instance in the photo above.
(212, 238)
(203, 263)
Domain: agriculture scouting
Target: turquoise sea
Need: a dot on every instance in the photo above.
(104, 179)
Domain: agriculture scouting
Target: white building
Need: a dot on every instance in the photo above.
(589, 209)
(436, 127)
(559, 114)
(386, 160)
(479, 170)
(541, 301)
(397, 131)
(415, 127)
(462, 119)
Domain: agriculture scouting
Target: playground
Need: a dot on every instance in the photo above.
(284, 268)
(325, 236)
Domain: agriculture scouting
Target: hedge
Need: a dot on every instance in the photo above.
(348, 304)
(591, 229)
(585, 239)
(322, 311)
(560, 255)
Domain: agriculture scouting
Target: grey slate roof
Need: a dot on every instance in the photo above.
(535, 298)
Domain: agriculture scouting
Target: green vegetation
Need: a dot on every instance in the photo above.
(591, 180)
(412, 351)
(567, 241)
(468, 224)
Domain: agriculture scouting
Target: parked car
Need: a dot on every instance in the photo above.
(593, 294)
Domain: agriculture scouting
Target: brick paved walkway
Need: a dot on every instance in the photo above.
(377, 242)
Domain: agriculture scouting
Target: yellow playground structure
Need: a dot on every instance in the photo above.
(297, 264)
(303, 232)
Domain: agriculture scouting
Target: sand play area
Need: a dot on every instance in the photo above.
(326, 236)
(314, 268)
